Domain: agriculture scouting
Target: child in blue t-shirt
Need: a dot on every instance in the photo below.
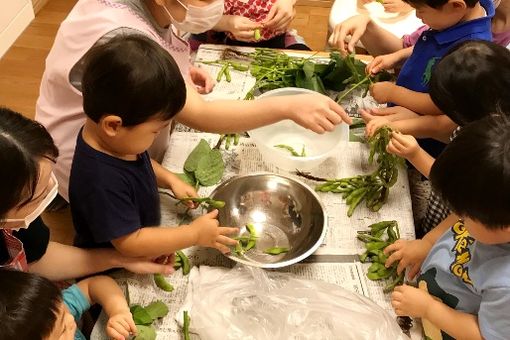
(131, 90)
(464, 282)
(32, 307)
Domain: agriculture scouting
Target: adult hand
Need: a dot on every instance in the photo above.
(243, 29)
(315, 112)
(120, 326)
(396, 6)
(373, 123)
(143, 265)
(202, 80)
(280, 15)
(409, 253)
(382, 91)
(354, 27)
(210, 234)
(405, 146)
(411, 301)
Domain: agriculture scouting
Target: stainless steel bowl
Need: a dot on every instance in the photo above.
(285, 213)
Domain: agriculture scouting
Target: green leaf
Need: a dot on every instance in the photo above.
(210, 168)
(187, 177)
(157, 309)
(199, 152)
(145, 332)
(140, 315)
(309, 69)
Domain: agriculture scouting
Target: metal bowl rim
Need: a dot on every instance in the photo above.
(303, 256)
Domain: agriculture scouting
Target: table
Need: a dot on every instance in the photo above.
(334, 262)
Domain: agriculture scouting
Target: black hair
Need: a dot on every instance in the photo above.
(23, 142)
(471, 81)
(472, 174)
(134, 78)
(437, 3)
(29, 305)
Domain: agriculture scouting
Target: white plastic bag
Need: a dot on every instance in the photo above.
(252, 304)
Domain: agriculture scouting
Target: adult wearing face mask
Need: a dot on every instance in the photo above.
(27, 156)
(59, 107)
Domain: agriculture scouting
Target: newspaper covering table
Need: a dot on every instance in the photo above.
(336, 259)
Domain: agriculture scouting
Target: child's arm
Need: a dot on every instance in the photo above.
(389, 61)
(438, 127)
(406, 146)
(375, 39)
(415, 302)
(388, 92)
(83, 262)
(105, 291)
(168, 180)
(157, 241)
(412, 253)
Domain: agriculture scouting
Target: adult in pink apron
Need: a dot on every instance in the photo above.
(27, 155)
(59, 107)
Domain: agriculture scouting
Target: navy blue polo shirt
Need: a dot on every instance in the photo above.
(110, 197)
(430, 48)
(433, 45)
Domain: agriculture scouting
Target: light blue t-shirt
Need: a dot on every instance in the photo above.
(77, 304)
(471, 277)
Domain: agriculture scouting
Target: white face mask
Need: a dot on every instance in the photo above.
(198, 19)
(38, 210)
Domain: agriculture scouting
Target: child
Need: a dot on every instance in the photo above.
(464, 284)
(255, 23)
(32, 307)
(114, 184)
(470, 82)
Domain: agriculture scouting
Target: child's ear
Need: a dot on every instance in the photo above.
(110, 125)
(457, 4)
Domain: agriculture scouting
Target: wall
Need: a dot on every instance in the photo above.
(15, 15)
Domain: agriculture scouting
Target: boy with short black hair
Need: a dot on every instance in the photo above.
(465, 278)
(131, 90)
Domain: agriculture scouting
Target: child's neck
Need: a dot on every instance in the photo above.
(93, 138)
(501, 20)
(476, 12)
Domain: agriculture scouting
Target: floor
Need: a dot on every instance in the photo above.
(21, 69)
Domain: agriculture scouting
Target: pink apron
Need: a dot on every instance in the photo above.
(59, 106)
(18, 260)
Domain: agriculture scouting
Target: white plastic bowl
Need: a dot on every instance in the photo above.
(317, 147)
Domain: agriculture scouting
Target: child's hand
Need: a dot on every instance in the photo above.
(243, 29)
(410, 253)
(382, 91)
(143, 265)
(373, 123)
(202, 80)
(210, 234)
(405, 146)
(394, 113)
(280, 15)
(354, 27)
(182, 189)
(120, 326)
(411, 301)
(382, 62)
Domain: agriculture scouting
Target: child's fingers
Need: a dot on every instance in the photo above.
(413, 271)
(366, 116)
(222, 248)
(113, 333)
(397, 145)
(212, 214)
(228, 231)
(226, 240)
(396, 256)
(399, 137)
(390, 148)
(132, 326)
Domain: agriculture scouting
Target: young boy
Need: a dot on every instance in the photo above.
(32, 307)
(464, 284)
(131, 90)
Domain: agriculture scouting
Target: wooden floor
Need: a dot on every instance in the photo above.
(21, 69)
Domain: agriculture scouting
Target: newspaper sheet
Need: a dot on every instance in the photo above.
(351, 160)
(242, 82)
